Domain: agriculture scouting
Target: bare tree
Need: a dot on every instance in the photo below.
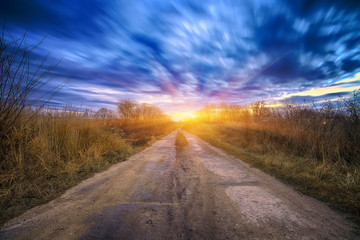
(104, 113)
(127, 109)
(148, 112)
(22, 83)
(131, 110)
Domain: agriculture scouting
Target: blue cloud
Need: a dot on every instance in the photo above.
(190, 51)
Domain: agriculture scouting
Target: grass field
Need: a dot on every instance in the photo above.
(45, 154)
(316, 151)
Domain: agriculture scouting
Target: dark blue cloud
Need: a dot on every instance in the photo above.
(177, 52)
(69, 18)
(306, 8)
(148, 42)
(349, 65)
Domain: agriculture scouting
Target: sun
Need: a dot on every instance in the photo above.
(192, 115)
(182, 116)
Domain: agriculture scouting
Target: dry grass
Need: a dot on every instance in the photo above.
(332, 182)
(43, 155)
(181, 139)
(137, 132)
(318, 152)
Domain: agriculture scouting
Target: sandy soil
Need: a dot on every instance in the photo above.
(192, 192)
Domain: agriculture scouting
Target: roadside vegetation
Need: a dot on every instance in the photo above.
(43, 151)
(314, 148)
(180, 139)
(46, 153)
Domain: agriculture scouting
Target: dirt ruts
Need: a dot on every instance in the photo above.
(187, 192)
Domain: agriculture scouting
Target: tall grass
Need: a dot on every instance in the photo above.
(57, 149)
(329, 132)
(50, 154)
(44, 152)
(137, 132)
(315, 148)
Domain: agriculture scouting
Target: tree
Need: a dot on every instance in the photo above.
(131, 110)
(149, 112)
(104, 113)
(127, 109)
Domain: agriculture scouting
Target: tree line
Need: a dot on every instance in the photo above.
(131, 110)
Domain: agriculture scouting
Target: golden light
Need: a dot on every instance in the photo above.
(182, 116)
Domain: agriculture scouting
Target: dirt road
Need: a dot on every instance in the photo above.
(193, 192)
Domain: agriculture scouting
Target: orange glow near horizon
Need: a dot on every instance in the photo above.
(181, 116)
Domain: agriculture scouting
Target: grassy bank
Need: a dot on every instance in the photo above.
(315, 150)
(335, 183)
(45, 154)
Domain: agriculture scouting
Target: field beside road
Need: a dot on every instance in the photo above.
(42, 155)
(315, 149)
(184, 191)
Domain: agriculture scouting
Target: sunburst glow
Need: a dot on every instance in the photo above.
(182, 116)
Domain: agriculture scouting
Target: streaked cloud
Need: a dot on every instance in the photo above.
(351, 79)
(184, 54)
(315, 92)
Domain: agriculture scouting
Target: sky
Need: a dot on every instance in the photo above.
(181, 55)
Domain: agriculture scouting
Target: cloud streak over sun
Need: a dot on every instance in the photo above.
(183, 54)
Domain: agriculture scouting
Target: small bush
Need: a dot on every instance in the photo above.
(181, 140)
